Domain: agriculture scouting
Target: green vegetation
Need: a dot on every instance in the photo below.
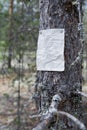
(19, 23)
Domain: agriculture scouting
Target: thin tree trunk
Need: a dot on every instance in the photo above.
(63, 14)
(10, 33)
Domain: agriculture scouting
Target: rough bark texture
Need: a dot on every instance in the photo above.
(62, 14)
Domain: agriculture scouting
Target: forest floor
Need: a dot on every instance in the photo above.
(9, 102)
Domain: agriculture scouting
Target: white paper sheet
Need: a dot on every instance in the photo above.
(50, 50)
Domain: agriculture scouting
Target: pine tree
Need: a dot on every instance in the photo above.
(63, 14)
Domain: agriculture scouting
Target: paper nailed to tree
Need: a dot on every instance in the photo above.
(50, 50)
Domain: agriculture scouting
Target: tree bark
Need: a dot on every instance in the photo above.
(63, 14)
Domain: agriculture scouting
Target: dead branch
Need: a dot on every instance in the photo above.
(52, 114)
(49, 118)
(82, 93)
(74, 119)
(45, 123)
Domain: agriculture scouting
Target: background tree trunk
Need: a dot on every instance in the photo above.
(63, 14)
(10, 33)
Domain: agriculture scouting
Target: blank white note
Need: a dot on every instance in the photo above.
(50, 50)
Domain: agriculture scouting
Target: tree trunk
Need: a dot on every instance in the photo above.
(10, 33)
(63, 14)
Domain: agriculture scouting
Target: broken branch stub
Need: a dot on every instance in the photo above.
(49, 116)
(82, 93)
